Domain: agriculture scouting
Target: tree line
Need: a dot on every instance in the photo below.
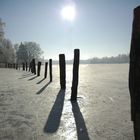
(121, 58)
(19, 53)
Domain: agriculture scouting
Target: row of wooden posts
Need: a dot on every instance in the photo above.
(62, 66)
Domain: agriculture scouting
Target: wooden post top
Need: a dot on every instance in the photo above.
(137, 9)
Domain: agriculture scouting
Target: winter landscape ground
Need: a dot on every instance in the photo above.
(31, 108)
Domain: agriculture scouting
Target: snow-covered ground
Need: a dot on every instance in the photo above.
(31, 108)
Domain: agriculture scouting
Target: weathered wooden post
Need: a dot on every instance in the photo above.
(16, 66)
(34, 66)
(46, 69)
(134, 73)
(38, 68)
(23, 66)
(50, 69)
(19, 66)
(26, 66)
(29, 66)
(62, 66)
(75, 75)
(6, 65)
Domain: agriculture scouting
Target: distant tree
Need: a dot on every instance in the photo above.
(22, 53)
(7, 53)
(27, 51)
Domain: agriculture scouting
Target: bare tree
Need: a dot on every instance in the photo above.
(7, 53)
(27, 51)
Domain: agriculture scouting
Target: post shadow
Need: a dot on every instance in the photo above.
(43, 88)
(26, 76)
(54, 117)
(40, 81)
(82, 132)
(32, 78)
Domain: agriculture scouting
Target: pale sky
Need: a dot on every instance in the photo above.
(101, 27)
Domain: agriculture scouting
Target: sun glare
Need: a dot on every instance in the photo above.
(68, 12)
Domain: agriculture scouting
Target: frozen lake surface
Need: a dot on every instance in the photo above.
(34, 109)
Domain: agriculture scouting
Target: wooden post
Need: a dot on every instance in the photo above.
(6, 65)
(38, 68)
(75, 75)
(50, 69)
(46, 69)
(23, 66)
(134, 73)
(62, 66)
(26, 66)
(19, 66)
(16, 66)
(31, 66)
(34, 67)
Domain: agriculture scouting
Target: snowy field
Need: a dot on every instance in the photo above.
(31, 108)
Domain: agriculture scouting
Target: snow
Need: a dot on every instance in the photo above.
(35, 109)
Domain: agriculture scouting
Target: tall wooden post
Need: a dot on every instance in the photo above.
(62, 66)
(26, 66)
(46, 69)
(6, 65)
(38, 68)
(23, 66)
(34, 66)
(75, 75)
(134, 73)
(29, 66)
(16, 66)
(19, 66)
(50, 69)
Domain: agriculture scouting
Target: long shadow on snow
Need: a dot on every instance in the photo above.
(43, 88)
(26, 76)
(53, 121)
(82, 132)
(40, 81)
(32, 78)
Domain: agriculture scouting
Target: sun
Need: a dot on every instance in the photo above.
(68, 12)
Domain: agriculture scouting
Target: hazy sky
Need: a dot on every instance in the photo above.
(101, 27)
